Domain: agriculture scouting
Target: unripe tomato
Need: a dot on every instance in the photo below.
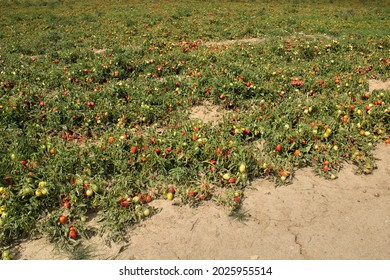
(38, 193)
(226, 176)
(146, 212)
(242, 168)
(95, 188)
(89, 192)
(6, 255)
(169, 196)
(44, 191)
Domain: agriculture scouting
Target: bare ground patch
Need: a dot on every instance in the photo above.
(207, 113)
(99, 51)
(237, 41)
(378, 85)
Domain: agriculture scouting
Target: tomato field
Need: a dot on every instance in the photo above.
(96, 101)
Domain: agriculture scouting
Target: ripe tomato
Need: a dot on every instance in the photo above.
(73, 233)
(125, 203)
(325, 168)
(62, 219)
(237, 199)
(172, 190)
(110, 139)
(66, 204)
(191, 193)
(133, 150)
(278, 148)
(148, 198)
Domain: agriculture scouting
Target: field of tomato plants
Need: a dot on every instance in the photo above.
(96, 99)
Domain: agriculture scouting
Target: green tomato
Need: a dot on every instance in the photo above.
(44, 191)
(94, 187)
(226, 176)
(6, 255)
(89, 192)
(146, 212)
(38, 193)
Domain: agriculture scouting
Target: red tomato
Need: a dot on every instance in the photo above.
(63, 219)
(278, 148)
(148, 198)
(125, 203)
(325, 168)
(73, 233)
